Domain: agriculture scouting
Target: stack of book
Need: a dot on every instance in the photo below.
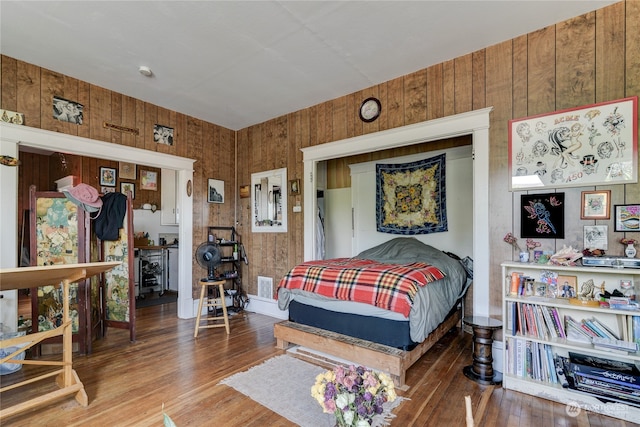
(587, 329)
(536, 320)
(531, 360)
(610, 380)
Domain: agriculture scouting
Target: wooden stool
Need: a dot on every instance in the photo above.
(211, 302)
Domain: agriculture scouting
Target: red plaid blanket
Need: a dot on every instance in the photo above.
(389, 286)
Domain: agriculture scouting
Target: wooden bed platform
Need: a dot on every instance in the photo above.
(391, 360)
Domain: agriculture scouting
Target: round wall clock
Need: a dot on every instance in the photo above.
(370, 109)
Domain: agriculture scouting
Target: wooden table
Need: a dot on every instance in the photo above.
(66, 377)
(481, 371)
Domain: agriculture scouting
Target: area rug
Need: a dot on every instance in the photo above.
(283, 385)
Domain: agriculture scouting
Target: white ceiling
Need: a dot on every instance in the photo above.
(238, 63)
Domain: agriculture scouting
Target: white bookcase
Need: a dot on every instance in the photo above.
(616, 320)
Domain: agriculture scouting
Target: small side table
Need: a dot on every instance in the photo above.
(481, 371)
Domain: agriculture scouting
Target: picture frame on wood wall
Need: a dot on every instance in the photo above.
(127, 170)
(125, 187)
(215, 191)
(596, 204)
(108, 176)
(148, 180)
(589, 145)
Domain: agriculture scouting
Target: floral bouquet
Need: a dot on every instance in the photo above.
(626, 241)
(512, 240)
(353, 395)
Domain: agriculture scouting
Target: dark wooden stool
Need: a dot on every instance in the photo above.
(481, 371)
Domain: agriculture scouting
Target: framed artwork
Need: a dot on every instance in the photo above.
(106, 190)
(542, 216)
(127, 170)
(162, 134)
(108, 177)
(128, 186)
(595, 237)
(215, 191)
(567, 286)
(148, 180)
(595, 204)
(294, 186)
(627, 217)
(244, 191)
(584, 146)
(67, 111)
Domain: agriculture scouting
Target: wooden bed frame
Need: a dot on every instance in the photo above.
(391, 360)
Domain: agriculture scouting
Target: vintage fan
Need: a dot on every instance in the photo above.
(209, 257)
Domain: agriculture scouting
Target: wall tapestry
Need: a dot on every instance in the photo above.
(542, 216)
(411, 197)
(585, 146)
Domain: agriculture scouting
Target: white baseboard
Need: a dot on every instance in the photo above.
(265, 306)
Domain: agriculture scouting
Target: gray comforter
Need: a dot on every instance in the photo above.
(432, 302)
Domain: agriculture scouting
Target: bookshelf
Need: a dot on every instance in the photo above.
(538, 338)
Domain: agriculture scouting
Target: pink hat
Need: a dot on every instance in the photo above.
(86, 196)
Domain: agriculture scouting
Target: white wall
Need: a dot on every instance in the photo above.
(459, 187)
(145, 220)
(337, 224)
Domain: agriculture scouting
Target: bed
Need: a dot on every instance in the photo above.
(327, 301)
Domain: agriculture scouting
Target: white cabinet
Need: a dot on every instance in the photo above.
(533, 351)
(168, 208)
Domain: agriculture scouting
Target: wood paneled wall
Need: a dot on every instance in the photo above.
(590, 58)
(30, 90)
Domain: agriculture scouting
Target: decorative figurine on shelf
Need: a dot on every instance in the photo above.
(630, 250)
(565, 256)
(586, 290)
(627, 289)
(598, 294)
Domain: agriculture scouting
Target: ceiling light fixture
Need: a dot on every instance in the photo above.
(145, 71)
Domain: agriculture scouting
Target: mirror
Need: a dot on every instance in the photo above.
(269, 201)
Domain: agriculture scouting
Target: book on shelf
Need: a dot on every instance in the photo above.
(635, 329)
(602, 378)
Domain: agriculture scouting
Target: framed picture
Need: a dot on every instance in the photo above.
(244, 191)
(128, 186)
(627, 217)
(595, 237)
(595, 204)
(67, 111)
(215, 191)
(567, 286)
(294, 186)
(106, 190)
(148, 180)
(542, 216)
(127, 170)
(584, 146)
(108, 177)
(163, 134)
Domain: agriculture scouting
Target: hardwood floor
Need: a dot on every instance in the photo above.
(127, 383)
